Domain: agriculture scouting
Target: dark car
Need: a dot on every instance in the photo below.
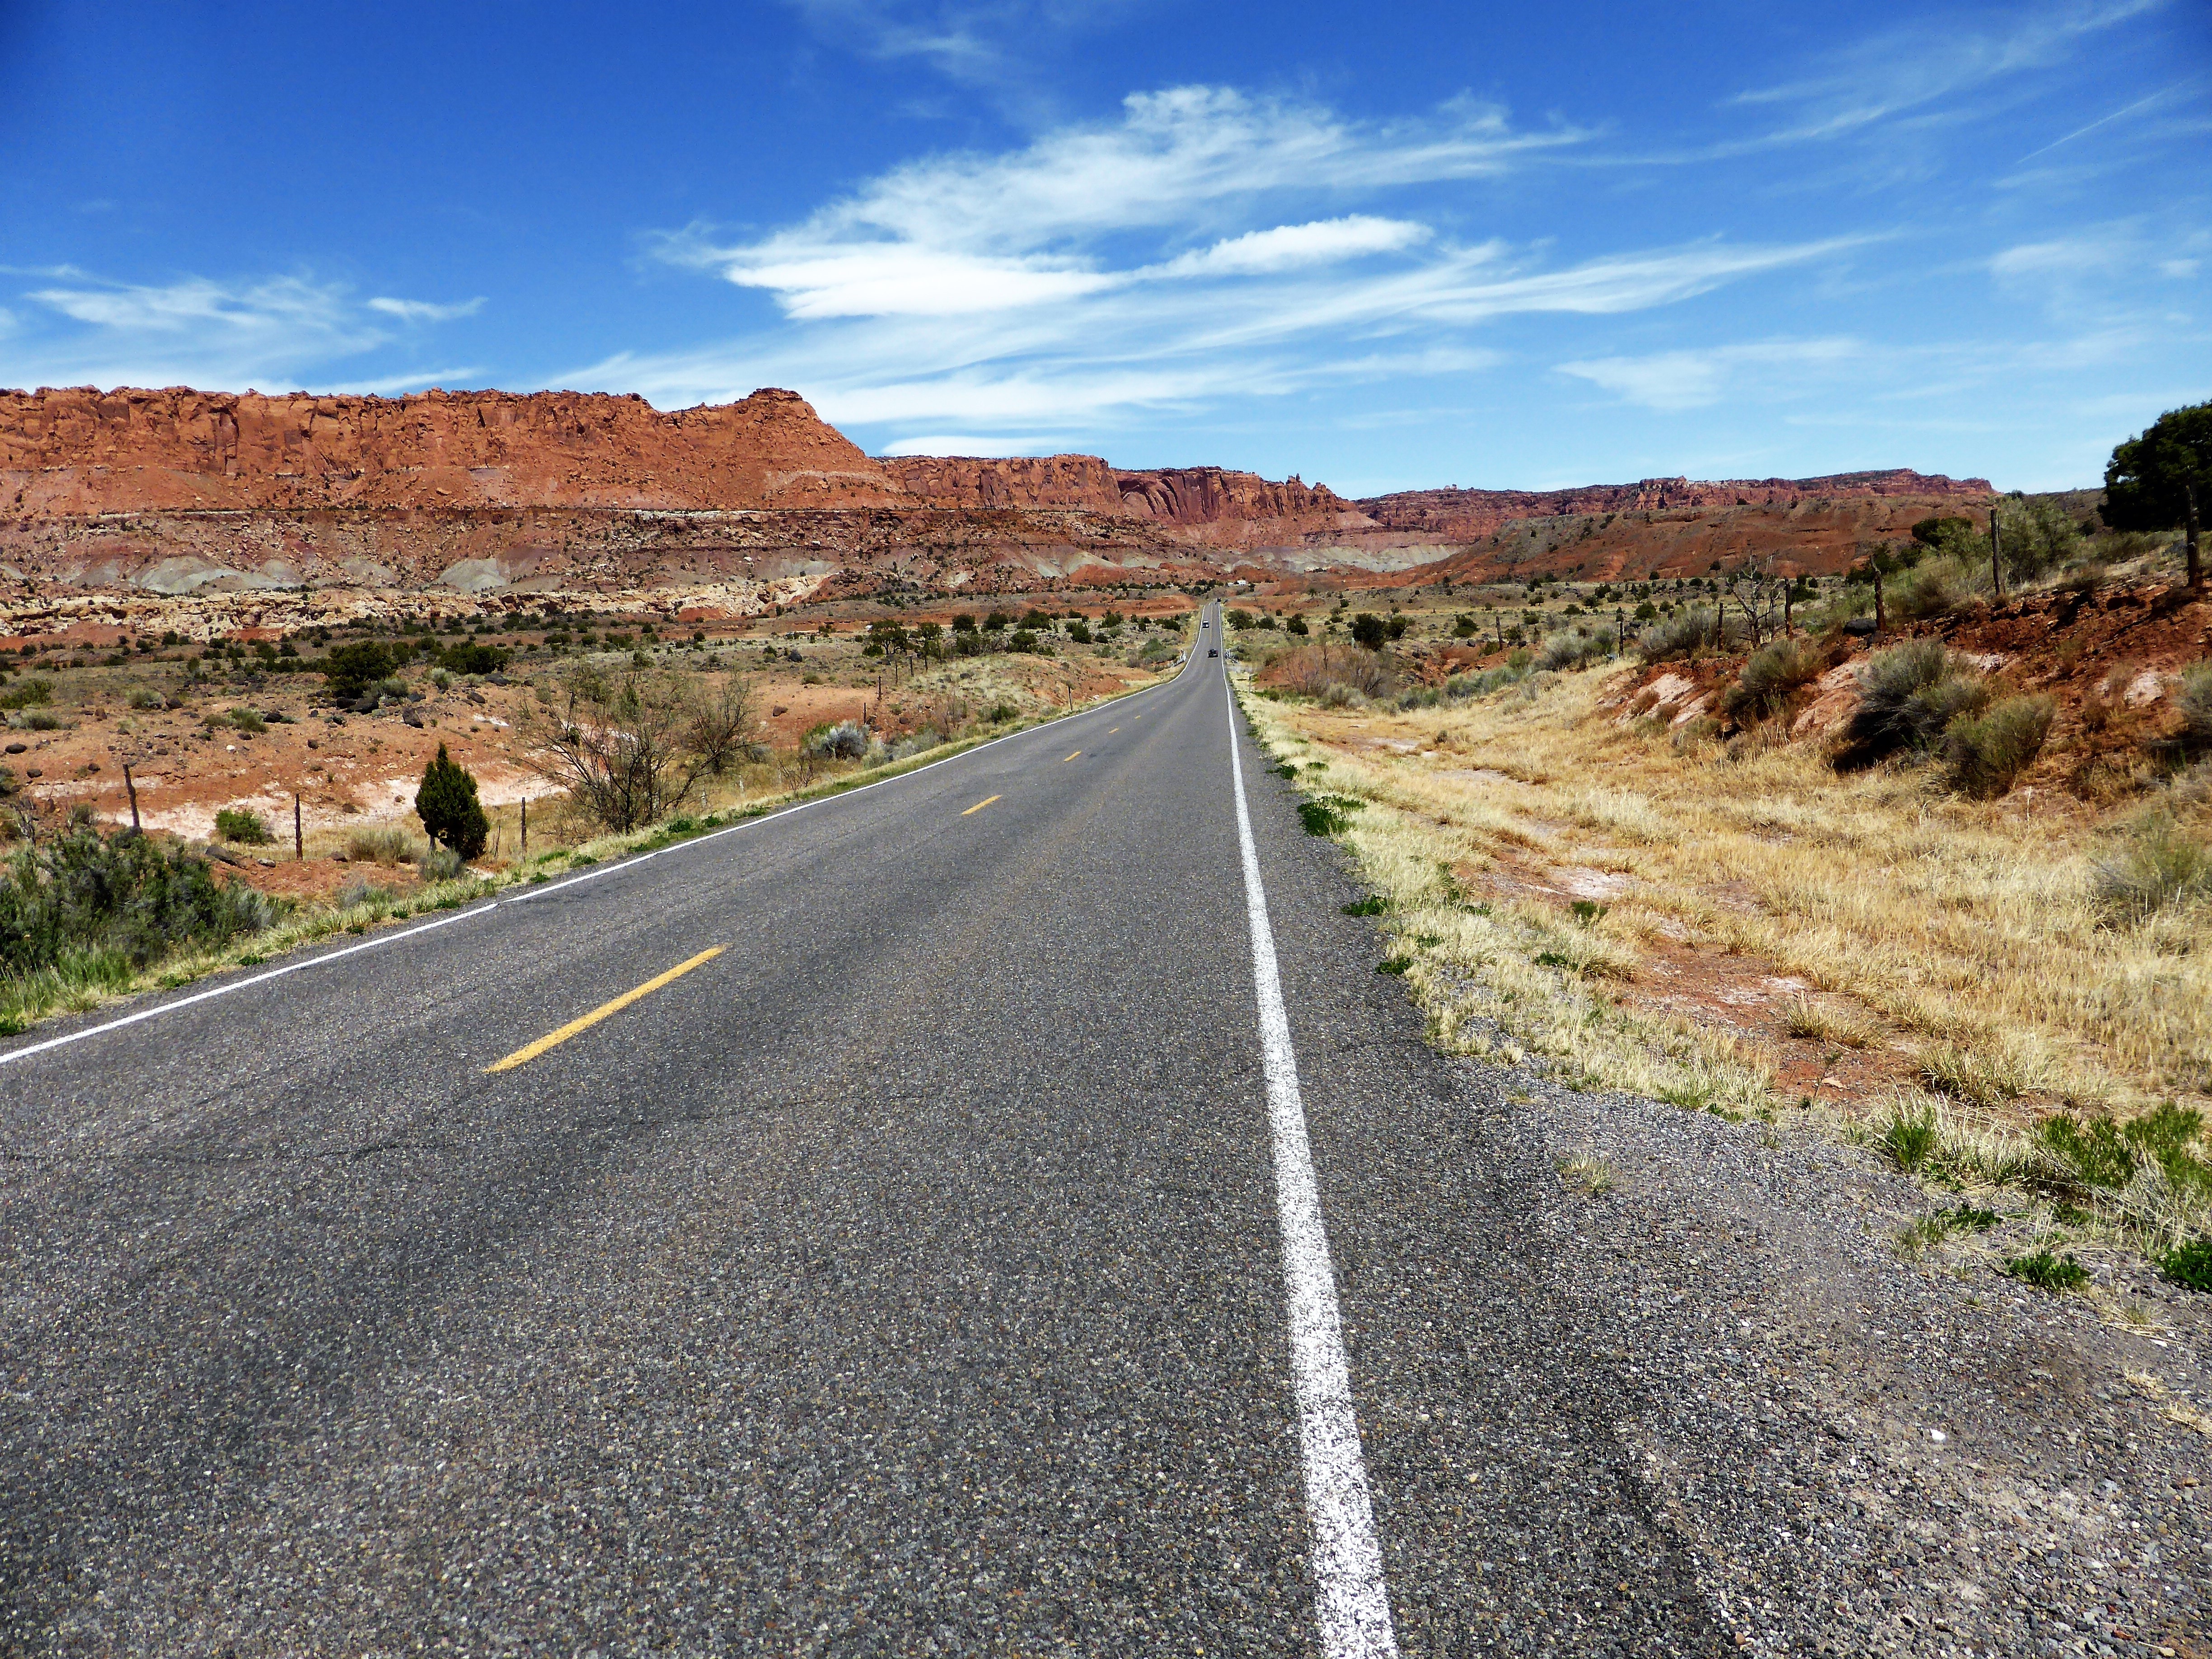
(1213, 654)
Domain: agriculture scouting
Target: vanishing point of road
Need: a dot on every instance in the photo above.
(999, 1210)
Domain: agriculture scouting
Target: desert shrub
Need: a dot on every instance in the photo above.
(847, 740)
(141, 697)
(248, 719)
(1000, 712)
(1944, 534)
(1312, 671)
(2159, 865)
(446, 803)
(1934, 588)
(127, 893)
(442, 864)
(26, 693)
(1369, 631)
(471, 657)
(1570, 651)
(722, 726)
(244, 825)
(352, 669)
(1768, 677)
(2194, 700)
(617, 747)
(1908, 695)
(381, 843)
(361, 891)
(1696, 628)
(1988, 750)
(919, 743)
(2036, 536)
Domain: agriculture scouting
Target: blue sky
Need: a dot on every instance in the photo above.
(1381, 246)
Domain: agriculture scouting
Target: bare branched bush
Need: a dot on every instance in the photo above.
(1312, 670)
(722, 724)
(621, 750)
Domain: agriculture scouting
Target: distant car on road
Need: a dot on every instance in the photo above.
(1213, 654)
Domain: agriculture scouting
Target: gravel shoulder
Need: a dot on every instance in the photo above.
(1859, 1453)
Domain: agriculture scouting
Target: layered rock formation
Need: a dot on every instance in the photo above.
(81, 451)
(176, 491)
(1464, 514)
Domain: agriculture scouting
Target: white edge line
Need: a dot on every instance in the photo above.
(1351, 1600)
(612, 867)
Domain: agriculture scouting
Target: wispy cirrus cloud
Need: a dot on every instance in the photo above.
(426, 311)
(1909, 70)
(1205, 244)
(276, 332)
(1697, 378)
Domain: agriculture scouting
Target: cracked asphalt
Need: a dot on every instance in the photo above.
(904, 1279)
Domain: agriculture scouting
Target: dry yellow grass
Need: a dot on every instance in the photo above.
(1966, 926)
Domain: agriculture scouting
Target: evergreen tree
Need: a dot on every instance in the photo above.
(2164, 478)
(446, 804)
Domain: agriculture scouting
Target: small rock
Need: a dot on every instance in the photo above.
(16, 748)
(32, 772)
(266, 864)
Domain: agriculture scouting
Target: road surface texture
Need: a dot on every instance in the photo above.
(914, 1268)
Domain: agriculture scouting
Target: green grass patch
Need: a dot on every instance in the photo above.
(2047, 1271)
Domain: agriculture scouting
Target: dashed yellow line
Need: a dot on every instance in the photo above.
(1064, 759)
(980, 805)
(1111, 729)
(529, 1051)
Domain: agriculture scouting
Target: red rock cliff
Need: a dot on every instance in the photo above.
(1011, 481)
(81, 451)
(1463, 513)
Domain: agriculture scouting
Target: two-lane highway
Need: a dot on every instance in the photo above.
(877, 1228)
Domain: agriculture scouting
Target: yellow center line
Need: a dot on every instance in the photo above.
(1064, 759)
(530, 1051)
(980, 805)
(1111, 729)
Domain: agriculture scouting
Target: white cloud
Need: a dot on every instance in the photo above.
(2066, 257)
(1289, 246)
(1696, 379)
(941, 443)
(193, 332)
(274, 333)
(1028, 223)
(1156, 260)
(426, 311)
(1903, 70)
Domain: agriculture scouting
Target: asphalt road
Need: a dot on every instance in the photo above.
(908, 1275)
